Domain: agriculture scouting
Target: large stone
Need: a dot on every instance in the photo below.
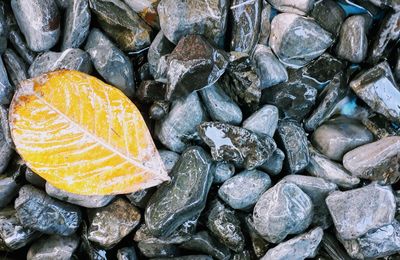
(331, 9)
(20, 46)
(263, 121)
(53, 247)
(6, 90)
(159, 47)
(15, 66)
(293, 6)
(3, 29)
(147, 10)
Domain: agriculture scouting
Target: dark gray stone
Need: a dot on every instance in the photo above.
(159, 47)
(141, 197)
(3, 29)
(6, 150)
(8, 189)
(329, 8)
(187, 257)
(333, 248)
(258, 244)
(265, 23)
(159, 109)
(5, 126)
(16, 68)
(169, 159)
(244, 255)
(53, 247)
(223, 171)
(150, 91)
(263, 121)
(293, 6)
(153, 250)
(6, 90)
(34, 179)
(19, 44)
(127, 253)
(387, 3)
(274, 164)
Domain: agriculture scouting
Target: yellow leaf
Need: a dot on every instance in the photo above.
(83, 136)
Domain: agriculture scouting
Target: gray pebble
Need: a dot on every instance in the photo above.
(6, 90)
(53, 247)
(159, 47)
(34, 179)
(3, 29)
(292, 6)
(274, 164)
(159, 109)
(8, 189)
(153, 250)
(265, 24)
(141, 197)
(15, 66)
(169, 159)
(258, 243)
(223, 171)
(263, 121)
(127, 253)
(5, 126)
(331, 9)
(6, 150)
(20, 46)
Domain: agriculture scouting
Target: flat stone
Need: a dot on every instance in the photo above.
(8, 189)
(223, 171)
(159, 47)
(110, 62)
(297, 248)
(258, 244)
(297, 40)
(331, 9)
(234, 144)
(282, 210)
(164, 213)
(358, 211)
(153, 250)
(38, 211)
(291, 6)
(263, 121)
(39, 21)
(15, 66)
(243, 190)
(20, 46)
(220, 106)
(127, 253)
(274, 164)
(265, 24)
(169, 159)
(53, 247)
(6, 90)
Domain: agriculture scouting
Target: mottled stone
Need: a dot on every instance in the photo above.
(121, 24)
(6, 151)
(110, 62)
(358, 211)
(274, 164)
(20, 46)
(6, 90)
(329, 8)
(127, 253)
(3, 29)
(297, 248)
(297, 40)
(150, 91)
(8, 189)
(159, 109)
(164, 213)
(16, 68)
(179, 18)
(159, 47)
(153, 250)
(282, 210)
(39, 21)
(293, 6)
(265, 23)
(147, 10)
(5, 126)
(53, 247)
(220, 106)
(263, 121)
(223, 171)
(182, 120)
(258, 244)
(169, 159)
(38, 211)
(141, 197)
(235, 144)
(244, 189)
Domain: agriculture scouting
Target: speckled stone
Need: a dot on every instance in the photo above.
(5, 126)
(6, 150)
(331, 9)
(223, 171)
(265, 24)
(53, 247)
(263, 121)
(3, 29)
(159, 47)
(154, 250)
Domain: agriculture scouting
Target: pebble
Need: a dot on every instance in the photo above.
(378, 89)
(179, 18)
(121, 24)
(263, 121)
(331, 9)
(147, 10)
(39, 21)
(258, 244)
(298, 248)
(385, 3)
(220, 106)
(77, 22)
(243, 190)
(292, 6)
(53, 247)
(5, 126)
(235, 144)
(269, 69)
(297, 40)
(38, 211)
(110, 62)
(34, 179)
(70, 59)
(378, 161)
(3, 29)
(333, 247)
(169, 159)
(164, 214)
(223, 171)
(8, 189)
(282, 210)
(396, 70)
(159, 109)
(140, 198)
(358, 211)
(150, 91)
(188, 257)
(127, 253)
(110, 224)
(15, 66)
(159, 47)
(265, 24)
(181, 122)
(6, 90)
(274, 164)
(153, 250)
(6, 151)
(20, 46)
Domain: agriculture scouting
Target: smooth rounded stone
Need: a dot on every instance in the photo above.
(38, 211)
(292, 6)
(379, 160)
(94, 201)
(269, 69)
(77, 22)
(126, 253)
(159, 47)
(164, 213)
(159, 109)
(377, 88)
(282, 210)
(19, 44)
(150, 91)
(263, 121)
(331, 9)
(336, 137)
(321, 166)
(39, 21)
(121, 24)
(317, 189)
(16, 68)
(169, 159)
(265, 24)
(274, 164)
(182, 120)
(34, 179)
(12, 233)
(204, 243)
(6, 90)
(246, 19)
(110, 224)
(70, 59)
(353, 43)
(243, 190)
(153, 250)
(220, 106)
(5, 126)
(3, 29)
(147, 10)
(297, 40)
(258, 244)
(293, 141)
(224, 224)
(110, 62)
(141, 197)
(235, 144)
(355, 212)
(298, 248)
(8, 190)
(179, 18)
(6, 151)
(223, 171)
(53, 247)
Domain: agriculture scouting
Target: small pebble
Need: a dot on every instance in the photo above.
(53, 247)
(169, 159)
(274, 164)
(331, 9)
(15, 66)
(293, 6)
(159, 47)
(6, 90)
(141, 197)
(8, 190)
(127, 253)
(223, 171)
(263, 121)
(20, 46)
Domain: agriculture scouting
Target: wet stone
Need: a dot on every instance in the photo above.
(223, 171)
(164, 214)
(6, 90)
(384, 3)
(159, 109)
(169, 159)
(244, 255)
(140, 198)
(333, 248)
(153, 250)
(127, 253)
(184, 17)
(159, 47)
(34, 179)
(238, 145)
(331, 9)
(187, 257)
(377, 88)
(269, 69)
(150, 91)
(220, 106)
(38, 211)
(358, 211)
(182, 120)
(8, 189)
(110, 62)
(259, 245)
(282, 210)
(39, 21)
(265, 23)
(20, 46)
(5, 126)
(53, 247)
(15, 66)
(224, 224)
(263, 121)
(288, 30)
(147, 10)
(297, 248)
(274, 164)
(121, 24)
(6, 151)
(3, 29)
(292, 6)
(244, 189)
